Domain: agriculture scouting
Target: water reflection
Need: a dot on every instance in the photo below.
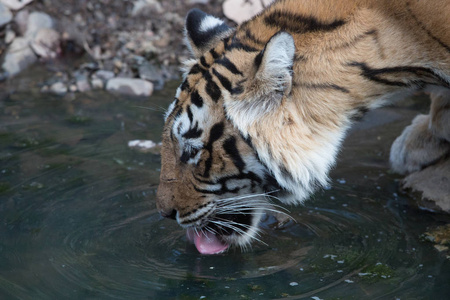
(78, 217)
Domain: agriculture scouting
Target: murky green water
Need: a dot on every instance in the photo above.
(78, 217)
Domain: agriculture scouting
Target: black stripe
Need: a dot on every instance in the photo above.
(374, 74)
(203, 62)
(196, 99)
(298, 23)
(236, 44)
(189, 113)
(215, 134)
(230, 148)
(214, 54)
(258, 59)
(193, 132)
(324, 86)
(229, 65)
(185, 85)
(196, 69)
(223, 80)
(212, 89)
(249, 35)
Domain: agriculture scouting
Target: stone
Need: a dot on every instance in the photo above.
(145, 7)
(145, 146)
(18, 57)
(36, 22)
(46, 43)
(130, 86)
(58, 88)
(5, 15)
(243, 10)
(16, 4)
(197, 2)
(151, 73)
(10, 35)
(104, 75)
(82, 82)
(433, 183)
(21, 20)
(97, 83)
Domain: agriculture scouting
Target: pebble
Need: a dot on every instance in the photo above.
(16, 4)
(104, 75)
(10, 35)
(5, 15)
(130, 86)
(46, 43)
(58, 88)
(37, 21)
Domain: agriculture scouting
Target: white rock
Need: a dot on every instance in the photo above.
(36, 22)
(58, 88)
(144, 7)
(97, 83)
(5, 15)
(130, 86)
(46, 43)
(16, 4)
(242, 10)
(10, 35)
(21, 20)
(18, 57)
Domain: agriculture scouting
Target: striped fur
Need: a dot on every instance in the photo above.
(264, 107)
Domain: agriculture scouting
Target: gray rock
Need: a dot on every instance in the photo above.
(82, 82)
(130, 86)
(16, 4)
(10, 35)
(46, 43)
(18, 57)
(145, 7)
(5, 15)
(97, 83)
(151, 73)
(104, 75)
(21, 20)
(36, 22)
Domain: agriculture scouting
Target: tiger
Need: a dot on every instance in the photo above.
(263, 107)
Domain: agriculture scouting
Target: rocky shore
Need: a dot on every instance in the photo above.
(129, 47)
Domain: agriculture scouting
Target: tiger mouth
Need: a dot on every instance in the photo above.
(215, 237)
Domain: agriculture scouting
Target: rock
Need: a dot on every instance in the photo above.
(130, 86)
(151, 73)
(82, 82)
(18, 57)
(10, 35)
(97, 83)
(434, 184)
(16, 4)
(58, 88)
(104, 75)
(36, 22)
(242, 10)
(146, 7)
(5, 15)
(46, 43)
(21, 20)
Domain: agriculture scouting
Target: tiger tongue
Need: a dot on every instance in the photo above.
(207, 242)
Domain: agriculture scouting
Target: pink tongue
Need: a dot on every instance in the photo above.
(206, 242)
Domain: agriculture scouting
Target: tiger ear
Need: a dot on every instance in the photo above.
(203, 31)
(274, 63)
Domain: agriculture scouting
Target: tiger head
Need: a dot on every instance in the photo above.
(218, 165)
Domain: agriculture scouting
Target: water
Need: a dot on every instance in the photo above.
(78, 218)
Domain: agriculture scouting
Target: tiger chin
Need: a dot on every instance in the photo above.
(263, 108)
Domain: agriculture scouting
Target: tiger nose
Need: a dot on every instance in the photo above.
(169, 213)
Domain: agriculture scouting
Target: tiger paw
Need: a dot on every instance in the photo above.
(417, 148)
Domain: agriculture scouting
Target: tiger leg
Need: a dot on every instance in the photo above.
(426, 140)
